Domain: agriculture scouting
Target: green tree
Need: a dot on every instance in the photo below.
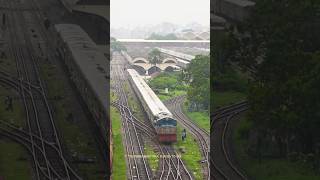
(155, 56)
(284, 95)
(165, 80)
(116, 46)
(197, 76)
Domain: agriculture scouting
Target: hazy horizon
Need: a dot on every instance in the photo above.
(139, 13)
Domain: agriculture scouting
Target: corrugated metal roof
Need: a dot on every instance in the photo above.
(87, 56)
(177, 54)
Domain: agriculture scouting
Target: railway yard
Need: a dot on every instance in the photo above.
(171, 166)
(219, 163)
(54, 114)
(42, 112)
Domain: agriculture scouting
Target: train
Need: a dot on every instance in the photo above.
(87, 69)
(161, 118)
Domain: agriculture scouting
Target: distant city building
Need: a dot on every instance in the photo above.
(192, 31)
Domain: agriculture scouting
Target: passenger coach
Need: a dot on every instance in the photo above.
(87, 69)
(161, 117)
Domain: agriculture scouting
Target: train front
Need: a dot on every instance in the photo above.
(166, 128)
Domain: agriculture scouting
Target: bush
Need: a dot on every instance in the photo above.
(229, 82)
(167, 80)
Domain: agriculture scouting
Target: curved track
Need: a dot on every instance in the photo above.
(137, 163)
(223, 166)
(171, 165)
(50, 163)
(202, 136)
(35, 144)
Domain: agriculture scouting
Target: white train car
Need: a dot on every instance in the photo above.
(87, 68)
(161, 117)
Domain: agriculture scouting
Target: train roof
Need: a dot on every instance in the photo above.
(87, 56)
(153, 102)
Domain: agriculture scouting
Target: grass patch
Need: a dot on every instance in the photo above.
(229, 87)
(201, 118)
(153, 158)
(133, 101)
(192, 155)
(269, 168)
(76, 135)
(113, 96)
(220, 99)
(17, 115)
(171, 94)
(167, 80)
(14, 164)
(8, 65)
(118, 159)
(170, 81)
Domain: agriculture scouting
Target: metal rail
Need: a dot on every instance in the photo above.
(172, 167)
(21, 49)
(224, 168)
(132, 140)
(200, 134)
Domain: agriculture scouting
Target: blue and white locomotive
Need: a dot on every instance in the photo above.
(161, 117)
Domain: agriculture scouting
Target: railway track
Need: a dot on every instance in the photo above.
(202, 136)
(171, 165)
(137, 163)
(170, 161)
(227, 110)
(23, 137)
(39, 116)
(223, 166)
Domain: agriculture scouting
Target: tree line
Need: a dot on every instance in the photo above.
(280, 45)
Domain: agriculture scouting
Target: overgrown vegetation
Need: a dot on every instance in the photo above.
(116, 46)
(281, 46)
(155, 56)
(76, 134)
(172, 81)
(118, 158)
(168, 80)
(152, 156)
(228, 79)
(269, 168)
(191, 153)
(201, 118)
(197, 76)
(14, 161)
(133, 102)
(225, 98)
(16, 116)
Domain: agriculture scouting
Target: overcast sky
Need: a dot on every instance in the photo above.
(132, 13)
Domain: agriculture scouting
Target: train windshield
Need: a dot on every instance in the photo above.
(167, 122)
